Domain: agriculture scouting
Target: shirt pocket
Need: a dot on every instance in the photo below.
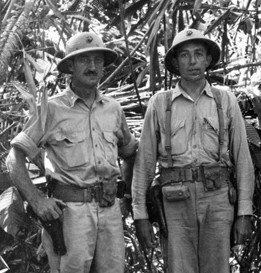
(179, 138)
(210, 134)
(71, 148)
(110, 147)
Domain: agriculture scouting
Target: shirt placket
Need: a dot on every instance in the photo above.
(97, 154)
(195, 134)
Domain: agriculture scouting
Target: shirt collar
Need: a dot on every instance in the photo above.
(178, 91)
(72, 97)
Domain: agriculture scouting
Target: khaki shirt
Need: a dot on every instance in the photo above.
(82, 145)
(194, 141)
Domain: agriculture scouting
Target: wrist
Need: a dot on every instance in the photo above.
(245, 216)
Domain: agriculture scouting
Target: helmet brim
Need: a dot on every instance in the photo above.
(213, 48)
(109, 57)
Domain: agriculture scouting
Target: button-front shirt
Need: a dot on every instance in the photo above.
(82, 144)
(194, 141)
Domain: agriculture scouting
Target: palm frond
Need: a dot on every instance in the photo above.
(10, 41)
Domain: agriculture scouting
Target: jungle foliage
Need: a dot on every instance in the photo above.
(33, 34)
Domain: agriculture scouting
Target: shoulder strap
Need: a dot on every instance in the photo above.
(217, 97)
(168, 126)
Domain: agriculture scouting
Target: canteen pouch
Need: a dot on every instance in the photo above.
(175, 192)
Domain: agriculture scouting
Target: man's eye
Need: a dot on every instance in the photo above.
(99, 61)
(85, 60)
(183, 55)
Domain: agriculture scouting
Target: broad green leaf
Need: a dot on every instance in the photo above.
(28, 97)
(34, 63)
(29, 75)
(156, 25)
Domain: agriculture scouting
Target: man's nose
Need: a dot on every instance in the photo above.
(91, 64)
(192, 58)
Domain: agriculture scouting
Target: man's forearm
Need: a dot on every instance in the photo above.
(19, 176)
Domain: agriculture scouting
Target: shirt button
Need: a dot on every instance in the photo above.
(96, 145)
(194, 146)
(93, 129)
(99, 162)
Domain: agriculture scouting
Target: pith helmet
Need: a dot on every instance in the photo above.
(85, 42)
(188, 35)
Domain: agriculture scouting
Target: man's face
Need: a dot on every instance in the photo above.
(192, 60)
(87, 69)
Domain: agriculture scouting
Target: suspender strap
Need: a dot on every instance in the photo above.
(168, 128)
(217, 96)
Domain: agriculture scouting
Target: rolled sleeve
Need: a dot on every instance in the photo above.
(26, 144)
(127, 143)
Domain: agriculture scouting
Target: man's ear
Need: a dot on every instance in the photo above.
(70, 65)
(209, 59)
(175, 63)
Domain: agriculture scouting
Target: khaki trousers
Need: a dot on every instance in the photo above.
(93, 238)
(199, 231)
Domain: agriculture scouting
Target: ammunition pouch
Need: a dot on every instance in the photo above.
(175, 192)
(213, 176)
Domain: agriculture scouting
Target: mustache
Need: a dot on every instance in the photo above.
(91, 73)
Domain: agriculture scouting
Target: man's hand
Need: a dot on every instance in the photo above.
(48, 208)
(145, 234)
(242, 229)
